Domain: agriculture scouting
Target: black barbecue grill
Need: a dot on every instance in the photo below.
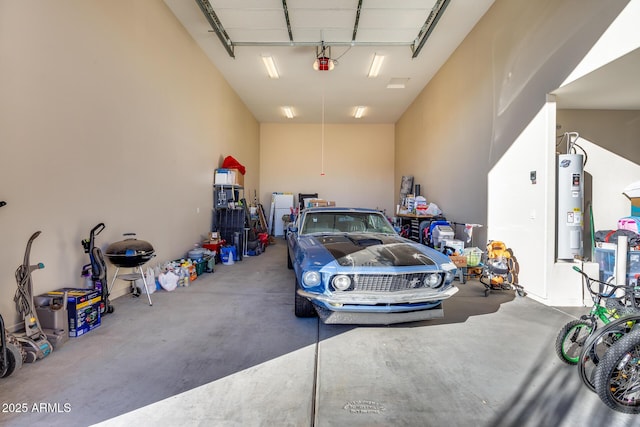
(131, 253)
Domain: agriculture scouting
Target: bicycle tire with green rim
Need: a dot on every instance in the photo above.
(571, 340)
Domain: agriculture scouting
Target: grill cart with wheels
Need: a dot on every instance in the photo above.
(131, 253)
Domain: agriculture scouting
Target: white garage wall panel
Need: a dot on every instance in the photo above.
(521, 210)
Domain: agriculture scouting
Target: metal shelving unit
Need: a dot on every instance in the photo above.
(228, 216)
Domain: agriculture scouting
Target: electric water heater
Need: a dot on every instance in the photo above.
(570, 193)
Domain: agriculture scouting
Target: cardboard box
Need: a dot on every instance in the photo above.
(83, 307)
(459, 260)
(320, 203)
(632, 191)
(228, 177)
(238, 178)
(635, 206)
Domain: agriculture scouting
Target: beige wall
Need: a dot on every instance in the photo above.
(358, 163)
(109, 113)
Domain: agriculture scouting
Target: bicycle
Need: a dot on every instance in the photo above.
(598, 344)
(574, 334)
(617, 377)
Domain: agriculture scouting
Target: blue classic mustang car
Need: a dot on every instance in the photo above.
(352, 267)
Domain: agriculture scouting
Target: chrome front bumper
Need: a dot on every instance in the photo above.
(376, 318)
(362, 298)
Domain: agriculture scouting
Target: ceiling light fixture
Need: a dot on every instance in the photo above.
(374, 70)
(323, 60)
(288, 111)
(359, 112)
(270, 66)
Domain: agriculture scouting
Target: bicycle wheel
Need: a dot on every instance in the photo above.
(622, 306)
(571, 339)
(617, 379)
(597, 345)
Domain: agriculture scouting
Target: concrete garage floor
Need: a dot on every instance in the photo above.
(228, 351)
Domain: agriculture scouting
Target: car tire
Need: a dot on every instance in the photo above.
(289, 263)
(303, 307)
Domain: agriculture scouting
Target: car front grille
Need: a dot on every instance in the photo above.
(387, 282)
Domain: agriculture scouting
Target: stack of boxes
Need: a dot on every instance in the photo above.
(83, 310)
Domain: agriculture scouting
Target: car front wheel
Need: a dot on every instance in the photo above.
(303, 307)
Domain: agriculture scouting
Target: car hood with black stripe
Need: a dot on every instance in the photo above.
(371, 250)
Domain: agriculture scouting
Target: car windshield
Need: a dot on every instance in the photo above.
(341, 222)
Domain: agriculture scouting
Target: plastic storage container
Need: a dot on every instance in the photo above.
(606, 259)
(474, 255)
(196, 254)
(228, 254)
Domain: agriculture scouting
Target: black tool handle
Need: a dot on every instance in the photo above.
(97, 229)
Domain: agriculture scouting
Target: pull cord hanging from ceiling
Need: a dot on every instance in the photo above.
(322, 136)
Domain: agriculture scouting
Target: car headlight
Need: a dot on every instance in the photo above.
(311, 278)
(341, 282)
(433, 280)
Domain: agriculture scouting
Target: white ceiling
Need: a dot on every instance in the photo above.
(258, 27)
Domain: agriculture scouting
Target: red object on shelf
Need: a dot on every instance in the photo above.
(230, 162)
(213, 246)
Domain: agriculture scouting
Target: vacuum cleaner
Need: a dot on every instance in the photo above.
(33, 340)
(97, 268)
